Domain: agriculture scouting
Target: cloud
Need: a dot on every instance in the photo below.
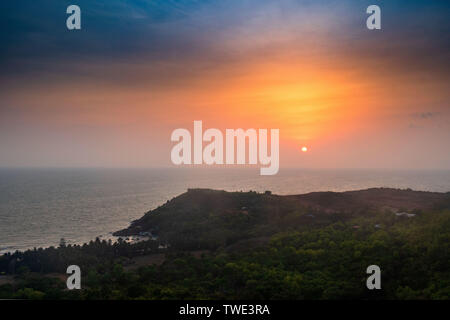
(189, 32)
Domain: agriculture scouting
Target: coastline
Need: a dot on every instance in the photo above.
(114, 235)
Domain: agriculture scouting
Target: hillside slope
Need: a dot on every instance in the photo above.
(207, 219)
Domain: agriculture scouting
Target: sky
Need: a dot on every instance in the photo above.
(110, 94)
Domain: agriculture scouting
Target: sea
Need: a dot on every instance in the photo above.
(38, 207)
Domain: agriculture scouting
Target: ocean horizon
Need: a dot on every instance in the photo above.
(39, 206)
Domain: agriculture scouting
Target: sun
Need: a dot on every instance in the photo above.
(304, 149)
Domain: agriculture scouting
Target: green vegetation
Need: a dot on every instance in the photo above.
(253, 246)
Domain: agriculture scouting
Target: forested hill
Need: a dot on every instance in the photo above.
(247, 245)
(209, 219)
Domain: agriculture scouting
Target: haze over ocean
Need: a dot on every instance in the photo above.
(40, 206)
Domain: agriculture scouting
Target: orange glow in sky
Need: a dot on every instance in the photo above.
(322, 83)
